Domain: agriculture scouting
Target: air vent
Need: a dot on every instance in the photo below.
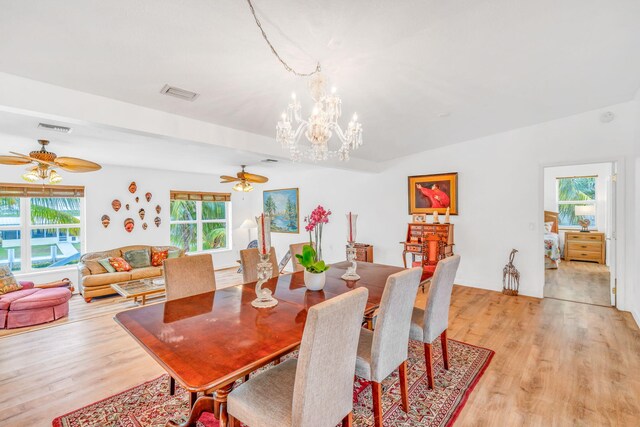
(55, 128)
(179, 93)
(269, 161)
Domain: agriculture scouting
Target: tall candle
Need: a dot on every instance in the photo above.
(352, 219)
(264, 234)
(350, 228)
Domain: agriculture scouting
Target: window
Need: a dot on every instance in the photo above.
(39, 232)
(200, 221)
(574, 192)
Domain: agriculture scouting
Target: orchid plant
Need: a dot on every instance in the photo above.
(319, 216)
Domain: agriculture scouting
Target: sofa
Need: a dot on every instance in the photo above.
(32, 305)
(95, 280)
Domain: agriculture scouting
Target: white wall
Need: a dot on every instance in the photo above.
(500, 196)
(603, 173)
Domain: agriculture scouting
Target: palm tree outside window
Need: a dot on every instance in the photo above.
(573, 192)
(197, 226)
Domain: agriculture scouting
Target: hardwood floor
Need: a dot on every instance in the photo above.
(557, 363)
(586, 282)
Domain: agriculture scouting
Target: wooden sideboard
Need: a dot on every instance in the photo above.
(417, 242)
(579, 246)
(364, 252)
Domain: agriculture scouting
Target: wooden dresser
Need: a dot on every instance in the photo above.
(364, 252)
(416, 240)
(580, 246)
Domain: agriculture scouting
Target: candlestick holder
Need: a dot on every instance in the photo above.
(264, 297)
(351, 257)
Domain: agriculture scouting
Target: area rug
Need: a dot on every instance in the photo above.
(150, 405)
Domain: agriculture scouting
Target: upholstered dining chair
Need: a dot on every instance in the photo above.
(184, 277)
(385, 349)
(296, 249)
(316, 390)
(431, 323)
(249, 258)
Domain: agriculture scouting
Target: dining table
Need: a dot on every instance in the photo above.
(208, 341)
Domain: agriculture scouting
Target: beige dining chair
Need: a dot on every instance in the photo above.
(385, 349)
(186, 276)
(316, 390)
(429, 324)
(296, 249)
(249, 258)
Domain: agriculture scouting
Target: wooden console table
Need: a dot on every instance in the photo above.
(416, 242)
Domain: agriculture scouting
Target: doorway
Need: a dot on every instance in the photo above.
(579, 237)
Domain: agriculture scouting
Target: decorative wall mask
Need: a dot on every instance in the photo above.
(105, 221)
(126, 206)
(132, 187)
(144, 225)
(137, 199)
(157, 221)
(141, 213)
(148, 197)
(129, 224)
(116, 205)
(158, 209)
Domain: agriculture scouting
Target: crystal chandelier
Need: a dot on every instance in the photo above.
(321, 124)
(319, 127)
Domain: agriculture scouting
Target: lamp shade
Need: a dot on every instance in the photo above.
(585, 210)
(248, 224)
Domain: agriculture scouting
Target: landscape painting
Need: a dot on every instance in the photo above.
(283, 209)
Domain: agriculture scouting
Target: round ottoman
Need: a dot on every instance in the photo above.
(42, 306)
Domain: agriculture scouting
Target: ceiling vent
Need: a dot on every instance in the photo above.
(55, 128)
(179, 93)
(269, 161)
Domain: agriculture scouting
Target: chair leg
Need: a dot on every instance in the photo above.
(445, 349)
(246, 378)
(348, 420)
(428, 358)
(172, 386)
(233, 422)
(193, 396)
(377, 403)
(404, 392)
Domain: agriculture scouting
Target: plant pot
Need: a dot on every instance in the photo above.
(314, 281)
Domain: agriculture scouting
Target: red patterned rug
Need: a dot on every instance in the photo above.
(150, 405)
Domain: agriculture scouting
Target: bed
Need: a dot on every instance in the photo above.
(551, 240)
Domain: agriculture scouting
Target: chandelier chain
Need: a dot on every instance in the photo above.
(273, 49)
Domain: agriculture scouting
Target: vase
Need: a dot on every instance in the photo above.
(314, 281)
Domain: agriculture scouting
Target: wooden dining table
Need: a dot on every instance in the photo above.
(207, 342)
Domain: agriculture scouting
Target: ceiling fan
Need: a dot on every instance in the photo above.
(43, 164)
(244, 180)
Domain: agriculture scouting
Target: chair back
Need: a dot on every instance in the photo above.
(391, 334)
(188, 275)
(296, 249)
(323, 388)
(249, 258)
(436, 315)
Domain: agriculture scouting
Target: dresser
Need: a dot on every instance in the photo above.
(417, 242)
(364, 252)
(580, 246)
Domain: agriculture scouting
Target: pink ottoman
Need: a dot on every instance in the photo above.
(41, 306)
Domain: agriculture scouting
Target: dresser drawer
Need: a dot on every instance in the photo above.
(586, 246)
(585, 237)
(584, 255)
(414, 248)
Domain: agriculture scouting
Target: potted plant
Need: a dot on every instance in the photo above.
(314, 270)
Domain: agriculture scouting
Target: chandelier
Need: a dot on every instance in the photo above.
(321, 125)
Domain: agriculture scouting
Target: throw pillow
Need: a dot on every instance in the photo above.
(174, 253)
(138, 258)
(119, 264)
(7, 281)
(158, 256)
(95, 267)
(548, 226)
(107, 266)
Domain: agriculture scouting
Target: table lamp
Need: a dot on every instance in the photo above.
(248, 224)
(585, 210)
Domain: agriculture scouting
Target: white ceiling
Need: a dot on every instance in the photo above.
(420, 73)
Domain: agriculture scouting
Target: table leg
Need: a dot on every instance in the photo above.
(220, 397)
(144, 299)
(404, 258)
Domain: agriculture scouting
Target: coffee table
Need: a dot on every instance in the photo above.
(140, 288)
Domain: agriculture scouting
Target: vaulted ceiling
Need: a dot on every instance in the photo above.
(419, 73)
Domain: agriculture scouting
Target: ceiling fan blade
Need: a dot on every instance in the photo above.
(227, 178)
(12, 160)
(44, 162)
(73, 164)
(255, 178)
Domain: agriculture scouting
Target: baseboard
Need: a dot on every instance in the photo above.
(636, 316)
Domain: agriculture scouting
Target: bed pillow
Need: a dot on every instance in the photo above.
(138, 258)
(8, 281)
(107, 266)
(548, 226)
(119, 264)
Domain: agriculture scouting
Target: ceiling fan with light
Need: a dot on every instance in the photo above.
(43, 162)
(243, 180)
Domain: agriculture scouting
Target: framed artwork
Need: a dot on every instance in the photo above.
(283, 207)
(433, 193)
(419, 218)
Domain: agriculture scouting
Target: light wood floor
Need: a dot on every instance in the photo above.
(557, 363)
(586, 282)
